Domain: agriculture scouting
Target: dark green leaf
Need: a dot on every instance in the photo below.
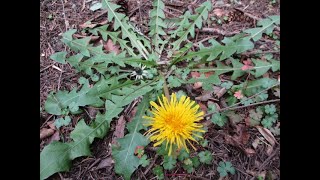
(59, 57)
(144, 161)
(169, 162)
(205, 157)
(62, 122)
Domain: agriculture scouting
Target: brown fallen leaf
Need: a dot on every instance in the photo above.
(245, 136)
(110, 47)
(220, 93)
(103, 22)
(44, 133)
(92, 38)
(196, 75)
(119, 132)
(207, 74)
(234, 141)
(87, 25)
(54, 137)
(218, 12)
(203, 107)
(92, 112)
(51, 124)
(267, 135)
(206, 95)
(105, 163)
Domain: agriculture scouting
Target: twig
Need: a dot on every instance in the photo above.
(95, 17)
(239, 107)
(46, 121)
(150, 166)
(59, 80)
(168, 73)
(170, 13)
(218, 31)
(268, 159)
(241, 171)
(262, 52)
(45, 68)
(230, 107)
(196, 177)
(93, 164)
(174, 9)
(201, 41)
(143, 174)
(64, 16)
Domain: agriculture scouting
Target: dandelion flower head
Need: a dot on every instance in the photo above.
(175, 122)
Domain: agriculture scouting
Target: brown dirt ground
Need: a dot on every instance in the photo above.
(51, 79)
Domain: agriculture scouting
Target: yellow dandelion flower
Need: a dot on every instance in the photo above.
(174, 122)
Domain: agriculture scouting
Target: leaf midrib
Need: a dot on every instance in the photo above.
(76, 144)
(263, 28)
(124, 29)
(188, 29)
(135, 131)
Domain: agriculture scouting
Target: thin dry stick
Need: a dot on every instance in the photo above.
(239, 107)
(150, 166)
(262, 52)
(196, 177)
(254, 104)
(59, 80)
(218, 31)
(64, 16)
(230, 107)
(45, 68)
(43, 124)
(268, 159)
(95, 17)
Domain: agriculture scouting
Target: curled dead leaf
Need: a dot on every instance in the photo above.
(44, 133)
(107, 162)
(220, 93)
(87, 25)
(51, 124)
(218, 12)
(206, 95)
(266, 133)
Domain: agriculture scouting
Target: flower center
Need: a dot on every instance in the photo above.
(174, 122)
